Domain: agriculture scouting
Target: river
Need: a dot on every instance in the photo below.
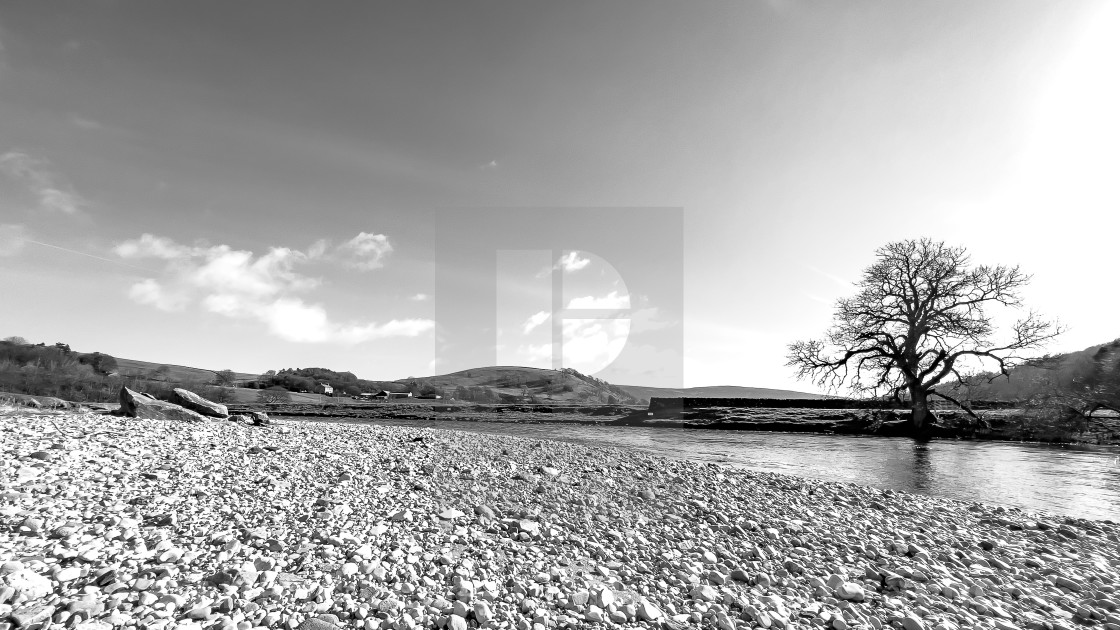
(1081, 481)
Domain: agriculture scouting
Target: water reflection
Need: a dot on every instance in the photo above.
(923, 469)
(1079, 481)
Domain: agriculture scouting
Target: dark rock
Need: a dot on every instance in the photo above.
(259, 418)
(318, 623)
(31, 614)
(740, 575)
(138, 405)
(194, 402)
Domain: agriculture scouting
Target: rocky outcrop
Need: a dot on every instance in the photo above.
(138, 405)
(194, 402)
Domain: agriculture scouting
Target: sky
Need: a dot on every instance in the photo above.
(261, 185)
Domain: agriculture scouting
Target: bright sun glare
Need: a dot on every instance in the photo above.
(1072, 159)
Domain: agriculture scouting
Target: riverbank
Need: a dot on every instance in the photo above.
(998, 424)
(1010, 425)
(116, 522)
(1013, 425)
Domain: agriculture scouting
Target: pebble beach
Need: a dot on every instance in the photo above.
(110, 522)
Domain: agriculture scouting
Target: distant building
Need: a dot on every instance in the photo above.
(387, 395)
(327, 389)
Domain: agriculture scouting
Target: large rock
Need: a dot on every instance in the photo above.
(194, 402)
(29, 586)
(138, 405)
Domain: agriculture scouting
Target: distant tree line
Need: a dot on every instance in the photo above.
(615, 393)
(342, 383)
(58, 371)
(477, 393)
(1071, 389)
(311, 379)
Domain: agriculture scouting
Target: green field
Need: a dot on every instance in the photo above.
(176, 373)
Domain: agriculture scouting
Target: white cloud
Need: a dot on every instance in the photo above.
(537, 355)
(589, 345)
(592, 344)
(609, 301)
(419, 297)
(572, 262)
(151, 246)
(318, 249)
(365, 251)
(12, 239)
(648, 319)
(293, 320)
(238, 284)
(534, 321)
(152, 293)
(86, 123)
(36, 175)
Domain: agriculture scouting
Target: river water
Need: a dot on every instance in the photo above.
(1079, 481)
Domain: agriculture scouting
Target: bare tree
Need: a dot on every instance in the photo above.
(920, 316)
(225, 377)
(275, 394)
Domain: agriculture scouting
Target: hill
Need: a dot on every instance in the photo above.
(505, 383)
(716, 391)
(174, 373)
(1063, 372)
(62, 371)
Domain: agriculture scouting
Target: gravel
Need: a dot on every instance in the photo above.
(110, 522)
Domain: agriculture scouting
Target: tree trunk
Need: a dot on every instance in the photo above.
(920, 415)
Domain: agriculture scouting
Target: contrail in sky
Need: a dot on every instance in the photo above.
(74, 251)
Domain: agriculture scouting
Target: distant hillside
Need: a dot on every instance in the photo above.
(716, 391)
(174, 373)
(522, 384)
(1049, 374)
(485, 384)
(493, 384)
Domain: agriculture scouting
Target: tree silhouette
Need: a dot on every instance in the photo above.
(225, 377)
(919, 318)
(275, 394)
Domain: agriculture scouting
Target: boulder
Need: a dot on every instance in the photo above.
(30, 586)
(322, 622)
(259, 418)
(194, 402)
(138, 405)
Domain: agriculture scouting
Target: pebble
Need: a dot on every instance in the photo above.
(315, 526)
(850, 591)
